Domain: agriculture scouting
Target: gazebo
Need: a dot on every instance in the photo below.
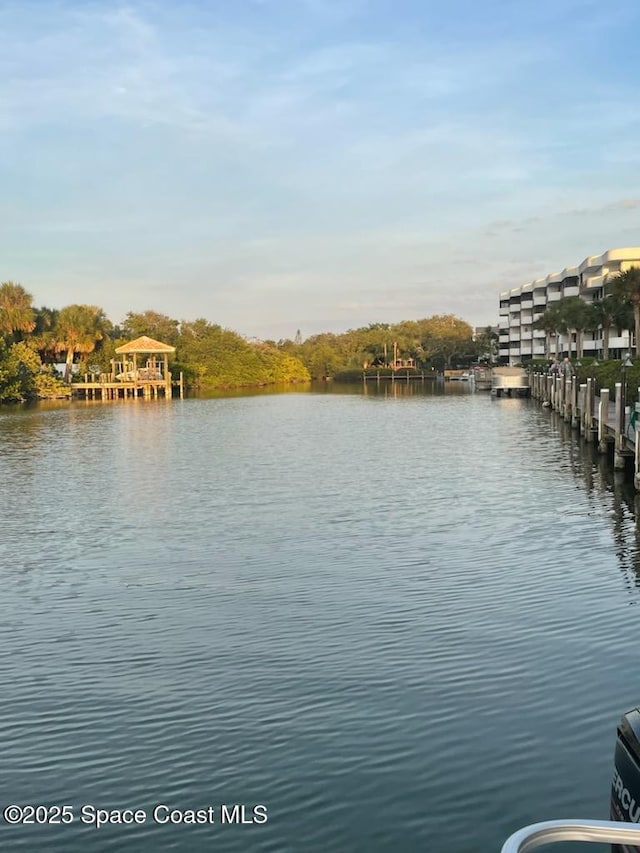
(152, 372)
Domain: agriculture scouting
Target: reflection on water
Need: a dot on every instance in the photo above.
(385, 388)
(384, 611)
(260, 391)
(611, 493)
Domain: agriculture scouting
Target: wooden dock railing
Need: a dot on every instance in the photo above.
(594, 416)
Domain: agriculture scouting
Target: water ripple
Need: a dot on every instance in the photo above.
(376, 615)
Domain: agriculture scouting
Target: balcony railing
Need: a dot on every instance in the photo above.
(619, 342)
(591, 282)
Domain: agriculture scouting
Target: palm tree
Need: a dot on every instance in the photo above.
(78, 330)
(626, 288)
(16, 311)
(551, 324)
(42, 335)
(608, 313)
(487, 344)
(574, 314)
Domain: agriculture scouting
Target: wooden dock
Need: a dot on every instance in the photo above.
(149, 389)
(390, 375)
(129, 378)
(106, 386)
(595, 417)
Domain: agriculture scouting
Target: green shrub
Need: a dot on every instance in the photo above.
(23, 376)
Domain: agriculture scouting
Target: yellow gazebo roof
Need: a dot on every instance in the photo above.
(145, 345)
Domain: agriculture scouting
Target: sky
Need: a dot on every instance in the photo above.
(275, 165)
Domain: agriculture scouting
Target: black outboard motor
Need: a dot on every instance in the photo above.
(625, 788)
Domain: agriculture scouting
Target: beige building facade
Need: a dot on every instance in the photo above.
(522, 306)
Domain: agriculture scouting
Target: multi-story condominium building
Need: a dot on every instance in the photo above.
(522, 306)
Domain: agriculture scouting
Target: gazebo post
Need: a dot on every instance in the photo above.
(148, 386)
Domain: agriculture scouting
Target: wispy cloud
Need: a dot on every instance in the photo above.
(321, 157)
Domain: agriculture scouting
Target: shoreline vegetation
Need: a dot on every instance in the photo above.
(211, 358)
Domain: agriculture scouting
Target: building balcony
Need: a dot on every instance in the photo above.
(540, 300)
(554, 296)
(504, 351)
(539, 333)
(572, 290)
(621, 342)
(539, 349)
(504, 323)
(526, 317)
(514, 322)
(592, 282)
(526, 336)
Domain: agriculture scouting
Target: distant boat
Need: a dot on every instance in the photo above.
(509, 382)
(455, 374)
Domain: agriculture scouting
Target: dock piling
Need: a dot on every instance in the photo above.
(588, 410)
(574, 403)
(582, 405)
(636, 460)
(589, 414)
(603, 414)
(618, 458)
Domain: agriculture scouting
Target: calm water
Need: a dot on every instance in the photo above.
(377, 615)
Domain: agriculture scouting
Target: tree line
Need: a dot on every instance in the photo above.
(439, 341)
(34, 339)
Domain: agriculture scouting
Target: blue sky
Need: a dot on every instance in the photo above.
(315, 164)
